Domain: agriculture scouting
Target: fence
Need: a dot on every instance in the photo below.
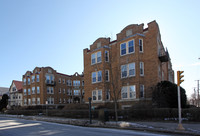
(191, 114)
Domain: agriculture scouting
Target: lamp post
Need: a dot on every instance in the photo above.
(90, 114)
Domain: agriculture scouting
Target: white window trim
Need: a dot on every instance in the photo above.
(37, 78)
(97, 95)
(108, 75)
(37, 90)
(142, 46)
(127, 69)
(127, 53)
(105, 55)
(128, 93)
(33, 92)
(142, 90)
(97, 77)
(142, 68)
(95, 54)
(33, 79)
(107, 91)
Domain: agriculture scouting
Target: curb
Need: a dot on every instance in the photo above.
(97, 124)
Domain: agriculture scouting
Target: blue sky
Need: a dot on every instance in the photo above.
(55, 32)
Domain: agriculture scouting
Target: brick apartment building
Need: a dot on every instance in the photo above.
(16, 93)
(44, 85)
(126, 68)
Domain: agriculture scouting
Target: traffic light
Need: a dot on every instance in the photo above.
(179, 76)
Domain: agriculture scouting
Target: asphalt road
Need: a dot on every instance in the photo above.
(21, 127)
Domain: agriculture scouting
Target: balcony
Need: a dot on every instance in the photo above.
(50, 82)
(164, 56)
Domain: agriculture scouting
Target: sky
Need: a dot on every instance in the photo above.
(54, 33)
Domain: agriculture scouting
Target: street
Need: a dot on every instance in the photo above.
(21, 127)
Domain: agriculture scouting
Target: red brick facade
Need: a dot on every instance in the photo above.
(44, 84)
(126, 68)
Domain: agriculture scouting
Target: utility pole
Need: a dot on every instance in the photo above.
(197, 93)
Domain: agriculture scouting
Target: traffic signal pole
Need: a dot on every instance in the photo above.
(179, 81)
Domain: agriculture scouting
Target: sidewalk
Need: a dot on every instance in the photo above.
(190, 128)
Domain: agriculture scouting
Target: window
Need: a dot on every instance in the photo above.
(131, 67)
(63, 81)
(93, 77)
(38, 89)
(96, 57)
(127, 48)
(97, 95)
(99, 76)
(50, 100)
(124, 71)
(128, 92)
(96, 76)
(130, 46)
(29, 101)
(38, 100)
(76, 92)
(141, 91)
(107, 75)
(29, 81)
(140, 45)
(64, 100)
(69, 82)
(24, 91)
(93, 57)
(69, 101)
(60, 100)
(33, 90)
(107, 94)
(59, 80)
(83, 92)
(60, 90)
(107, 56)
(24, 81)
(123, 48)
(29, 91)
(33, 79)
(33, 101)
(128, 70)
(94, 97)
(50, 90)
(25, 101)
(37, 78)
(132, 93)
(124, 92)
(69, 92)
(141, 68)
(63, 91)
(82, 83)
(49, 79)
(76, 83)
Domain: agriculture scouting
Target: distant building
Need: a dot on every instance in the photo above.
(3, 90)
(126, 68)
(46, 86)
(16, 93)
